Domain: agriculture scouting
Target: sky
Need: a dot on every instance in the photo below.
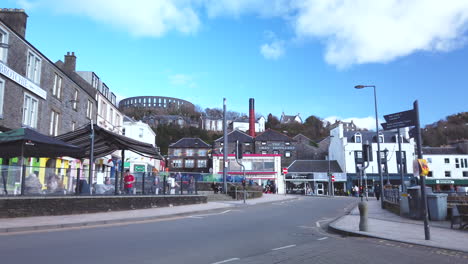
(292, 56)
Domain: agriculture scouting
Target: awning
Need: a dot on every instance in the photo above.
(106, 142)
(30, 143)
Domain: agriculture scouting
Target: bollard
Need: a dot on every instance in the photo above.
(363, 216)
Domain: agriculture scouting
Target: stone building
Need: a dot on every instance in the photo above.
(189, 155)
(35, 92)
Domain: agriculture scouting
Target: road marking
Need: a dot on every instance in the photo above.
(227, 260)
(307, 227)
(323, 238)
(203, 215)
(289, 246)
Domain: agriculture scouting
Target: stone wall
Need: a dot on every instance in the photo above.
(41, 206)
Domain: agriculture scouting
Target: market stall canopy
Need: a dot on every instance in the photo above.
(30, 143)
(106, 142)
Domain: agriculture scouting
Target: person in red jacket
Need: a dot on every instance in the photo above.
(129, 179)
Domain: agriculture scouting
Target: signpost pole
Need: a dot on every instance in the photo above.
(427, 233)
(403, 189)
(225, 147)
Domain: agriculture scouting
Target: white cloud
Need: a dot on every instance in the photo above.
(361, 122)
(353, 32)
(273, 50)
(182, 80)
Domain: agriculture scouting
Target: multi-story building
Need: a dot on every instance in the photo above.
(274, 142)
(211, 123)
(189, 155)
(346, 148)
(142, 132)
(448, 167)
(306, 149)
(347, 126)
(259, 168)
(34, 91)
(247, 142)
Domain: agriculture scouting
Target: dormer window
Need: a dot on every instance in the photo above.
(381, 138)
(357, 138)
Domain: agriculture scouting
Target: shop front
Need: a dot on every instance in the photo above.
(446, 185)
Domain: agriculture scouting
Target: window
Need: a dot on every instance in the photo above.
(141, 132)
(465, 162)
(429, 160)
(447, 174)
(465, 174)
(57, 88)
(201, 163)
(264, 152)
(117, 119)
(30, 107)
(287, 143)
(2, 90)
(263, 142)
(247, 144)
(247, 152)
(275, 152)
(177, 152)
(447, 161)
(403, 163)
(75, 99)
(73, 126)
(177, 163)
(111, 119)
(381, 139)
(189, 163)
(358, 138)
(287, 154)
(189, 152)
(33, 71)
(202, 152)
(54, 123)
(429, 174)
(89, 109)
(457, 163)
(3, 40)
(103, 109)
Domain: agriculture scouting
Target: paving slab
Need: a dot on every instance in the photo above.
(64, 221)
(387, 225)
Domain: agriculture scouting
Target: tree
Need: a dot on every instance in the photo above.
(272, 122)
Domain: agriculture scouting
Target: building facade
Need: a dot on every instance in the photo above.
(346, 148)
(242, 124)
(247, 142)
(274, 142)
(286, 119)
(448, 168)
(35, 92)
(189, 155)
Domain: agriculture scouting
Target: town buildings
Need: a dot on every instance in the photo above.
(242, 124)
(287, 119)
(346, 148)
(189, 155)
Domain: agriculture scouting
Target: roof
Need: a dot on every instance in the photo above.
(237, 135)
(190, 143)
(30, 143)
(106, 142)
(369, 136)
(314, 166)
(300, 137)
(441, 151)
(272, 135)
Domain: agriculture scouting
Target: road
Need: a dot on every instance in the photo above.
(283, 232)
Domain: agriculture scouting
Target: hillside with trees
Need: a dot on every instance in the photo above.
(451, 129)
(313, 127)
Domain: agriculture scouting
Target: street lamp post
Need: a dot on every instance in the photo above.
(330, 181)
(386, 166)
(379, 161)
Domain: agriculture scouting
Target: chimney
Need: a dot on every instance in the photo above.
(251, 117)
(15, 19)
(70, 62)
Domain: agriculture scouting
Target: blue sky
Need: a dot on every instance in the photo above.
(293, 56)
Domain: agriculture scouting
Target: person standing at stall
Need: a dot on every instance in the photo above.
(129, 179)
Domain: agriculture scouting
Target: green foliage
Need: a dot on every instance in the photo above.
(444, 132)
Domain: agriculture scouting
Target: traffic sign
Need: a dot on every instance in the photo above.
(399, 120)
(333, 178)
(285, 170)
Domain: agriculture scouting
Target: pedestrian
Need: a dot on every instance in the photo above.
(377, 192)
(129, 179)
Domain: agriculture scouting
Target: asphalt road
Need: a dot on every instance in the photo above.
(282, 232)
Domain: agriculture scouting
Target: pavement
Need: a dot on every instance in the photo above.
(387, 225)
(21, 224)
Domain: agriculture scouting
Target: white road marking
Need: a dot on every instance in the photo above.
(323, 238)
(289, 246)
(203, 215)
(227, 260)
(307, 227)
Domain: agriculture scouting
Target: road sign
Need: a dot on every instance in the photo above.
(285, 170)
(399, 120)
(333, 178)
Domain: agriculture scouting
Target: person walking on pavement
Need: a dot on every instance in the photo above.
(129, 179)
(377, 192)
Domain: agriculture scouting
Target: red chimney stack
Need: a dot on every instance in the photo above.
(251, 117)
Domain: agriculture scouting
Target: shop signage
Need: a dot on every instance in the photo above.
(139, 168)
(19, 79)
(277, 147)
(445, 182)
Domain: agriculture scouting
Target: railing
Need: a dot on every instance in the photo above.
(391, 196)
(44, 181)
